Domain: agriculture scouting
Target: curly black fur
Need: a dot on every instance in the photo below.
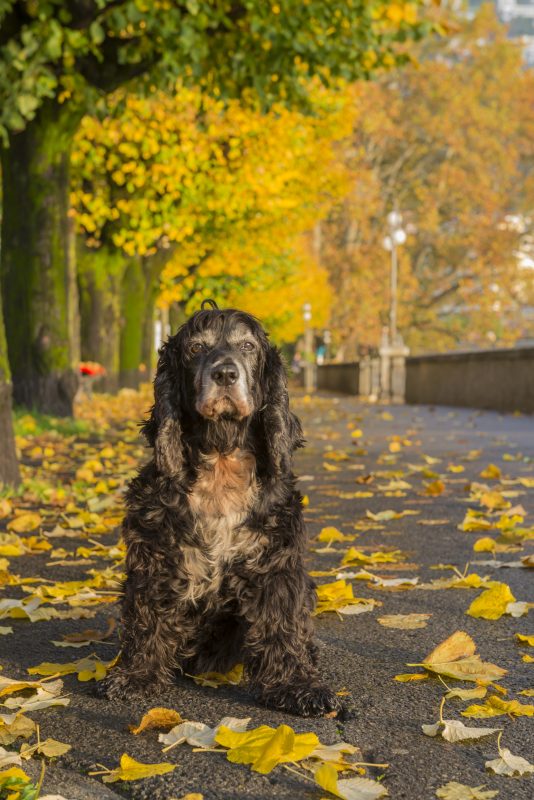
(214, 530)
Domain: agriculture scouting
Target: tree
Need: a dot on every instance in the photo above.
(446, 142)
(213, 194)
(9, 471)
(56, 56)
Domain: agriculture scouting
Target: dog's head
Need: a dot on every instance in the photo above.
(215, 377)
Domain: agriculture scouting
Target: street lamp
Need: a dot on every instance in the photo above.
(308, 348)
(395, 237)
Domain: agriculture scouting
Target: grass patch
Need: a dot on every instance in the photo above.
(33, 424)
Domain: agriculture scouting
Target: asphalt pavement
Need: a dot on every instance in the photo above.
(354, 453)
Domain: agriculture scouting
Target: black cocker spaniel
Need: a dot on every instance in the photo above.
(214, 530)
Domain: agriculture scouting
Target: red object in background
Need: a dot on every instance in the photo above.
(91, 368)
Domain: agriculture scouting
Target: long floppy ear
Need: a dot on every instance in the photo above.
(163, 430)
(282, 429)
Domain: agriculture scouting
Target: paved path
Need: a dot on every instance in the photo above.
(357, 653)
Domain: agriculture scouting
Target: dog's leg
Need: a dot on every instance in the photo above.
(156, 629)
(278, 645)
(219, 645)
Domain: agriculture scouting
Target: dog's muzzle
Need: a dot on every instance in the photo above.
(223, 391)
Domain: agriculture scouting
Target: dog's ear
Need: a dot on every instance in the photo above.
(163, 430)
(282, 429)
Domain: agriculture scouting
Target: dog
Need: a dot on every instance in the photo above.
(214, 530)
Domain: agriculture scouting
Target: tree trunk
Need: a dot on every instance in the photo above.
(139, 293)
(148, 349)
(37, 260)
(9, 468)
(100, 276)
(134, 302)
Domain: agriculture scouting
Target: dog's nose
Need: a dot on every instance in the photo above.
(225, 374)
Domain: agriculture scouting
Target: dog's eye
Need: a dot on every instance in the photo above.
(248, 346)
(196, 347)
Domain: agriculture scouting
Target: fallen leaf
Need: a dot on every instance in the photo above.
(492, 603)
(508, 764)
(132, 770)
(22, 727)
(404, 621)
(157, 718)
(215, 679)
(8, 757)
(495, 707)
(24, 523)
(491, 472)
(525, 639)
(87, 669)
(197, 734)
(455, 731)
(50, 748)
(467, 694)
(408, 677)
(334, 535)
(459, 791)
(456, 658)
(434, 488)
(337, 596)
(85, 638)
(265, 747)
(351, 789)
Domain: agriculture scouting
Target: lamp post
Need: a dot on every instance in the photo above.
(392, 350)
(308, 348)
(395, 237)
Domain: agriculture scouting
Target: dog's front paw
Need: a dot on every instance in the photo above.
(306, 701)
(122, 685)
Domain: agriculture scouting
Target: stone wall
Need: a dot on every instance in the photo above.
(342, 378)
(501, 380)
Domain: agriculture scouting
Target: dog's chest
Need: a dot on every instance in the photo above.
(220, 500)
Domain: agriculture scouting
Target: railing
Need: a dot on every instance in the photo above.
(501, 380)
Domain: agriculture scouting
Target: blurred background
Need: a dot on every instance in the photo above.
(358, 175)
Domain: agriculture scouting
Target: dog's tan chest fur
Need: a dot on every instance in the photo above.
(220, 500)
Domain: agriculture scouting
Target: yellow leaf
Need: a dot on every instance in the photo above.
(357, 433)
(467, 694)
(492, 603)
(337, 596)
(456, 658)
(215, 679)
(87, 669)
(157, 718)
(475, 521)
(455, 468)
(459, 791)
(25, 522)
(492, 471)
(132, 770)
(330, 467)
(265, 747)
(485, 545)
(351, 789)
(495, 707)
(404, 621)
(5, 507)
(334, 535)
(494, 501)
(525, 639)
(408, 677)
(435, 488)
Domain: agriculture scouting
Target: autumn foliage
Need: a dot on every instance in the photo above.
(447, 141)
